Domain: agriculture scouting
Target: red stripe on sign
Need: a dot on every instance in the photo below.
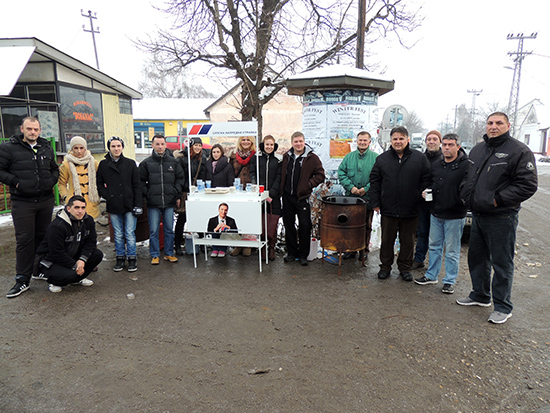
(195, 130)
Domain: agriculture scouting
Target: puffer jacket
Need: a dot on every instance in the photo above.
(182, 157)
(119, 184)
(270, 175)
(501, 169)
(223, 176)
(446, 180)
(311, 172)
(161, 180)
(30, 173)
(396, 184)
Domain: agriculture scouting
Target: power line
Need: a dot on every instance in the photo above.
(92, 30)
(519, 55)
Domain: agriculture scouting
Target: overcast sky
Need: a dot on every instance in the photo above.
(461, 46)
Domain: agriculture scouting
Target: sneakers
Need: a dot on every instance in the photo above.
(40, 276)
(303, 262)
(170, 258)
(289, 258)
(84, 282)
(17, 289)
(120, 262)
(497, 317)
(383, 274)
(215, 253)
(407, 276)
(416, 265)
(132, 264)
(155, 261)
(425, 281)
(448, 289)
(221, 254)
(247, 252)
(469, 301)
(55, 288)
(236, 251)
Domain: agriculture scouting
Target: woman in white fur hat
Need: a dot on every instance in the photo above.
(77, 176)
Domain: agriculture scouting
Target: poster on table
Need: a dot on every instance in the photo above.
(332, 118)
(247, 215)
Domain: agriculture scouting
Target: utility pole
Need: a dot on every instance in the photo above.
(474, 93)
(360, 54)
(92, 30)
(514, 91)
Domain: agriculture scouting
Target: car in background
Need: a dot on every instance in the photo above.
(179, 142)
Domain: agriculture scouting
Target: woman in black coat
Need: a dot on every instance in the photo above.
(270, 177)
(218, 169)
(198, 171)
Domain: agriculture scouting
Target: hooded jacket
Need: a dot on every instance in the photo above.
(68, 240)
(161, 180)
(119, 184)
(270, 175)
(31, 173)
(501, 169)
(446, 180)
(310, 169)
(396, 184)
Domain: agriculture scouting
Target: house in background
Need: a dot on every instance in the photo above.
(533, 124)
(68, 97)
(168, 117)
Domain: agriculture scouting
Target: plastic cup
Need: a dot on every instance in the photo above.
(261, 188)
(209, 184)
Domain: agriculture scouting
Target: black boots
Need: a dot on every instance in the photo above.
(132, 264)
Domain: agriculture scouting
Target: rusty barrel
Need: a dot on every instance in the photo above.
(343, 223)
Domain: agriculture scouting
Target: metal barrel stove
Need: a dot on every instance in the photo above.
(343, 224)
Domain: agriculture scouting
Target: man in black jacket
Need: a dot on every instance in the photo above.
(432, 153)
(118, 182)
(502, 174)
(162, 185)
(448, 213)
(28, 166)
(68, 253)
(397, 180)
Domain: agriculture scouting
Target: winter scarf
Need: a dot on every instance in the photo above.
(89, 160)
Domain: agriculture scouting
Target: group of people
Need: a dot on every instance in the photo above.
(428, 195)
(416, 194)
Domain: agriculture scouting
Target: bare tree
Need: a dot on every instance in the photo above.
(415, 124)
(174, 82)
(263, 42)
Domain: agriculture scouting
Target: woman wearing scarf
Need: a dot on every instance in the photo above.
(246, 150)
(77, 176)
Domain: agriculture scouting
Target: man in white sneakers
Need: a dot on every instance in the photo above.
(68, 253)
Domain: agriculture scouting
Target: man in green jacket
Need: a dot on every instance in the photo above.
(354, 174)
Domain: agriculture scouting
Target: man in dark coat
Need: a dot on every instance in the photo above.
(397, 180)
(119, 184)
(28, 166)
(502, 174)
(68, 253)
(302, 171)
(162, 183)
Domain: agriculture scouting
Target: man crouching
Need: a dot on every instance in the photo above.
(68, 253)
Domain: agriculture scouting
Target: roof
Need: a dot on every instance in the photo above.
(33, 50)
(167, 109)
(337, 76)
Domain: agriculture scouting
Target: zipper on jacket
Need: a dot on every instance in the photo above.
(162, 180)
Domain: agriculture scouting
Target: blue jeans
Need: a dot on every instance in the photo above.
(445, 233)
(168, 228)
(124, 226)
(492, 243)
(422, 233)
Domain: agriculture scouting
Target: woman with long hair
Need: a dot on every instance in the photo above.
(218, 169)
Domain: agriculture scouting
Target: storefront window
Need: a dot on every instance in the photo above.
(11, 120)
(81, 115)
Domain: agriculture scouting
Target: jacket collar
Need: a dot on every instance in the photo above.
(499, 140)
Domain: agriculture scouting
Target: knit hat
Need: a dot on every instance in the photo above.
(195, 140)
(434, 132)
(78, 140)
